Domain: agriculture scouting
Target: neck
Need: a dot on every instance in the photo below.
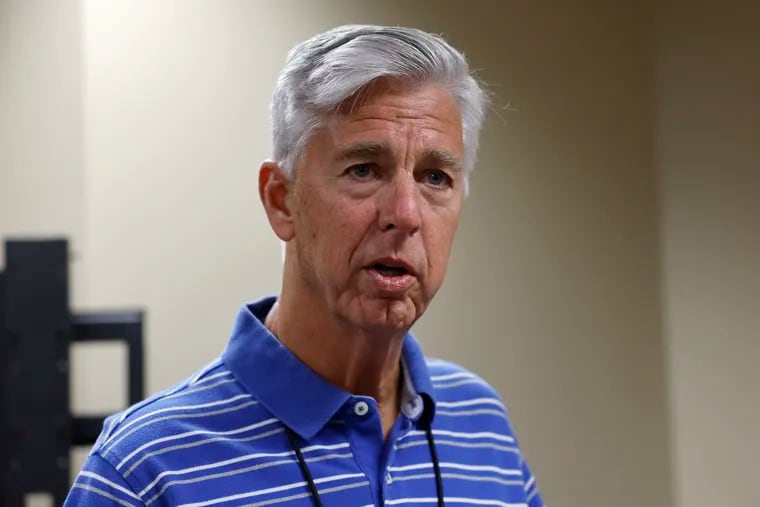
(355, 360)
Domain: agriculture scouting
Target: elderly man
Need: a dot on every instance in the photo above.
(322, 396)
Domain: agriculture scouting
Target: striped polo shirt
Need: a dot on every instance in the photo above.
(220, 438)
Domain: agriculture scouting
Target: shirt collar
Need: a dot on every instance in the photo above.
(296, 395)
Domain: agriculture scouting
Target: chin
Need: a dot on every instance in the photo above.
(389, 315)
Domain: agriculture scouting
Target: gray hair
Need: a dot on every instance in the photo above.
(326, 70)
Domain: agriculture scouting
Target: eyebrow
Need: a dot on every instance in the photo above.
(444, 159)
(362, 149)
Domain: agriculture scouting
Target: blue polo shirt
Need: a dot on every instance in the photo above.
(219, 438)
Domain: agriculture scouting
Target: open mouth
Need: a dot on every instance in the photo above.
(387, 270)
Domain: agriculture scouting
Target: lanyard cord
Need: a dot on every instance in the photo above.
(304, 467)
(436, 465)
(313, 487)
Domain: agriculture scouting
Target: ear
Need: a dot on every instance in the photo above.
(273, 191)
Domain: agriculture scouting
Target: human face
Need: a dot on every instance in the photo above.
(376, 202)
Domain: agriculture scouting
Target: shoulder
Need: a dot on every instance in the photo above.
(208, 403)
(465, 402)
(454, 383)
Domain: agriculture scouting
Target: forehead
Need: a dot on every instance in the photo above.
(424, 113)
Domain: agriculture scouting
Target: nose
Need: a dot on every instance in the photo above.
(399, 206)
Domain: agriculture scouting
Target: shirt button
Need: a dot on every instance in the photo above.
(413, 407)
(388, 478)
(361, 408)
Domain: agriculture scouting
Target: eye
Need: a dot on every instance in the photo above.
(361, 171)
(437, 178)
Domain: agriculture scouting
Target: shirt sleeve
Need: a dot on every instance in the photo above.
(100, 485)
(531, 489)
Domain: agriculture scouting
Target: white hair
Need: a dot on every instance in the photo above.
(323, 72)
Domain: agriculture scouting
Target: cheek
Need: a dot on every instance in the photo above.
(344, 228)
(439, 258)
(439, 243)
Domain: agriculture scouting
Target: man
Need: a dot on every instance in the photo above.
(322, 397)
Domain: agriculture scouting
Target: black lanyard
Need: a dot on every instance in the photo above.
(313, 487)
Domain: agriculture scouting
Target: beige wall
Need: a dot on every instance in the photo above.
(554, 292)
(41, 170)
(41, 135)
(708, 153)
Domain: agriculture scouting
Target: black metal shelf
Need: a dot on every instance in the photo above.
(37, 428)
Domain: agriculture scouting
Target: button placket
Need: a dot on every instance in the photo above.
(389, 479)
